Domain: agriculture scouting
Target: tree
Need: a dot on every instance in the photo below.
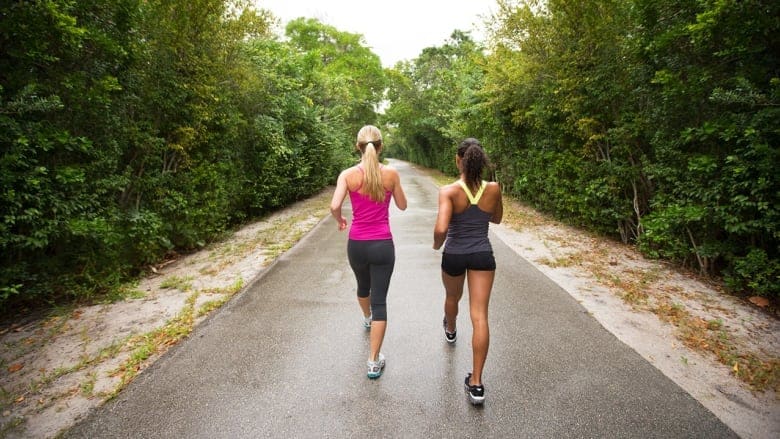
(351, 76)
(135, 128)
(645, 119)
(431, 97)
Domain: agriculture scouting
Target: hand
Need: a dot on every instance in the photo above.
(342, 223)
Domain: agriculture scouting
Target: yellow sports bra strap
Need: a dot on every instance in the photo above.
(473, 199)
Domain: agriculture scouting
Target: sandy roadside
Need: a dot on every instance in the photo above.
(58, 368)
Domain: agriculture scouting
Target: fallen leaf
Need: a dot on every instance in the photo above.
(19, 399)
(15, 367)
(759, 301)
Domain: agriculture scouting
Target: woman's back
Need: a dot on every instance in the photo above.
(356, 178)
(370, 218)
(488, 202)
(471, 212)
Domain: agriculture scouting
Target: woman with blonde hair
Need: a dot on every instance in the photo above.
(466, 207)
(370, 247)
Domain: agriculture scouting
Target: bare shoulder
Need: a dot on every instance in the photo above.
(450, 189)
(493, 186)
(493, 190)
(352, 176)
(349, 172)
(389, 170)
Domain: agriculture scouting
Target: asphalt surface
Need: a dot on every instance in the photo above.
(286, 358)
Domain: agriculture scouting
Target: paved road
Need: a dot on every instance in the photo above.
(286, 358)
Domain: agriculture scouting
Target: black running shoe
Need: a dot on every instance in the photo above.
(449, 336)
(476, 393)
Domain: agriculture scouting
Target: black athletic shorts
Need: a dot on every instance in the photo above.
(456, 265)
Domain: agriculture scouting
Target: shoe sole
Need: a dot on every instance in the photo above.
(475, 400)
(375, 375)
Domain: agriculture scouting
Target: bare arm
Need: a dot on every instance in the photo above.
(442, 219)
(398, 192)
(498, 214)
(338, 199)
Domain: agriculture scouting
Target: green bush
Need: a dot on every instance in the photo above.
(755, 273)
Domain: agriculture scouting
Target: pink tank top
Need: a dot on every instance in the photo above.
(370, 219)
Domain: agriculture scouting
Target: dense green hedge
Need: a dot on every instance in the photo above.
(134, 128)
(655, 121)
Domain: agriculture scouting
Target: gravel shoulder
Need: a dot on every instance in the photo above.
(58, 367)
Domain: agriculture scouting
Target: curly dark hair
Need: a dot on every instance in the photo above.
(474, 161)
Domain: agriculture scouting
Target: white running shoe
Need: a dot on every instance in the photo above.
(451, 337)
(367, 322)
(476, 393)
(375, 368)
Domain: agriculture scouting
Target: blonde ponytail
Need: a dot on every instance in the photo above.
(369, 142)
(374, 188)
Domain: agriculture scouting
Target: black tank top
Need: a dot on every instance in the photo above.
(468, 230)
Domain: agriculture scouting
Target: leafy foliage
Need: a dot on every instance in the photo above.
(135, 128)
(653, 121)
(427, 96)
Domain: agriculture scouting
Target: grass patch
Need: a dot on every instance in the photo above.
(708, 336)
(158, 340)
(560, 261)
(11, 425)
(123, 292)
(633, 291)
(88, 385)
(181, 283)
(281, 235)
(37, 384)
(226, 293)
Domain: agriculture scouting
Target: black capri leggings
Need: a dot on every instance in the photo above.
(373, 262)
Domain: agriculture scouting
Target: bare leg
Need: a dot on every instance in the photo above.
(376, 337)
(365, 306)
(480, 285)
(453, 286)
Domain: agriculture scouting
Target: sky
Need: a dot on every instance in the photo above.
(395, 30)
